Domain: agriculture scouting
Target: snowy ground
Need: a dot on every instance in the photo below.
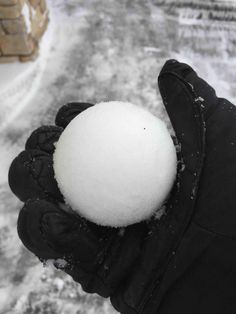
(98, 50)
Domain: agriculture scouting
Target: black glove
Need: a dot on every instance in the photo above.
(148, 267)
(51, 230)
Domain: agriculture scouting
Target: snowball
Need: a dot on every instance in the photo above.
(115, 163)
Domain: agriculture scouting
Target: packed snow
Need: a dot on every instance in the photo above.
(115, 163)
(99, 50)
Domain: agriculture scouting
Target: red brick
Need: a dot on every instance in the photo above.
(8, 2)
(16, 26)
(16, 44)
(10, 12)
(4, 59)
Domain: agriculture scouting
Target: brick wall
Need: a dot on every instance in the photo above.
(22, 24)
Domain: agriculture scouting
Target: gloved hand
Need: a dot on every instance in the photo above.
(138, 266)
(52, 230)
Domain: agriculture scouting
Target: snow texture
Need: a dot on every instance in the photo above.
(115, 164)
(99, 50)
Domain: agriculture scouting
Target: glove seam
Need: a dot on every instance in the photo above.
(214, 232)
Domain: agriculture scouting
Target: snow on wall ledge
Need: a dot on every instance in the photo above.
(20, 81)
(22, 24)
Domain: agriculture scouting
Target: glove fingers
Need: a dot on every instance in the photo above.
(31, 175)
(44, 138)
(71, 234)
(29, 227)
(49, 232)
(205, 95)
(69, 111)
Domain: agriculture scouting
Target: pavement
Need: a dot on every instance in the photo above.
(98, 50)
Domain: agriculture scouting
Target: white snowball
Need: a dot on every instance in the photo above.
(115, 163)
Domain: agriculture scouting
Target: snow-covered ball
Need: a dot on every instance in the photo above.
(115, 163)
